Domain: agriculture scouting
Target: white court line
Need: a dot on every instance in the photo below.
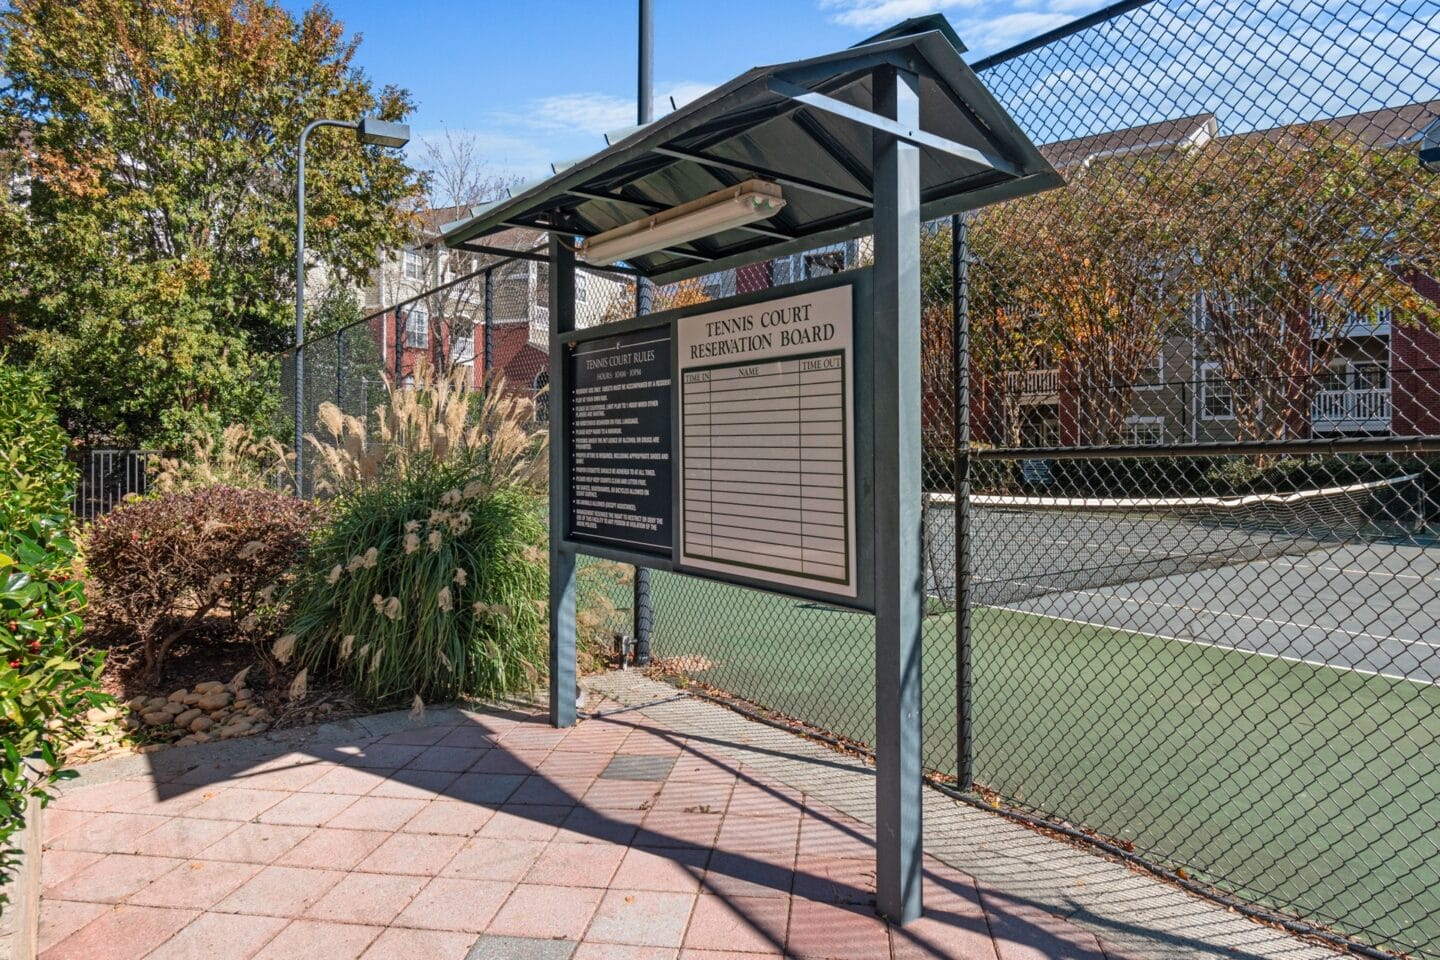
(1359, 634)
(1222, 646)
(1379, 574)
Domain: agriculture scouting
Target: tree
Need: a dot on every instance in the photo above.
(1088, 276)
(153, 267)
(1291, 234)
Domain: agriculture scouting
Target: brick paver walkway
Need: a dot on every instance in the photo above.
(494, 836)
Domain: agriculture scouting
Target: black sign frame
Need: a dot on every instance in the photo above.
(663, 324)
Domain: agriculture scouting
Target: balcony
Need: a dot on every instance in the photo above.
(1350, 410)
(1376, 323)
(1033, 386)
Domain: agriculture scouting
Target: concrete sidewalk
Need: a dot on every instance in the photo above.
(666, 828)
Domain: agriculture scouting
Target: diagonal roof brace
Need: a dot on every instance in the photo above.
(846, 111)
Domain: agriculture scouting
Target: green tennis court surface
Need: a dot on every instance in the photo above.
(1312, 787)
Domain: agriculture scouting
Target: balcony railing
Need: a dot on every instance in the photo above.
(1335, 409)
(1033, 383)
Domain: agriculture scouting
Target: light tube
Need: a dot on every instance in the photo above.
(711, 214)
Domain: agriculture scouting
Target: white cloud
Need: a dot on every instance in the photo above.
(596, 114)
(868, 14)
(983, 28)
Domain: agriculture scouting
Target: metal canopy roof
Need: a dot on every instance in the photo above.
(805, 125)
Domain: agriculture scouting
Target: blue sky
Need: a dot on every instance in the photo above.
(536, 81)
(542, 80)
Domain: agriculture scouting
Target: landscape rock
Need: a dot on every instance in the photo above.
(185, 719)
(214, 700)
(201, 724)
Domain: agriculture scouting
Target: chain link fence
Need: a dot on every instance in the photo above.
(1181, 435)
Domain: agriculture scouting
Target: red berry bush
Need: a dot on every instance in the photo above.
(161, 567)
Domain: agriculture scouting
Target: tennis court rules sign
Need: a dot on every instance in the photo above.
(722, 440)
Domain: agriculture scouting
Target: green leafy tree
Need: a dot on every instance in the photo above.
(150, 245)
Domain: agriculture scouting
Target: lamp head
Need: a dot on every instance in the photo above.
(383, 133)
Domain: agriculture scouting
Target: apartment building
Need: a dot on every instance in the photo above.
(447, 326)
(1376, 374)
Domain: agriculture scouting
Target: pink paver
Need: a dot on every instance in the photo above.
(449, 904)
(420, 842)
(547, 912)
(320, 940)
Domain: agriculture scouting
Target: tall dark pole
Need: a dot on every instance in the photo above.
(644, 96)
(644, 100)
(960, 347)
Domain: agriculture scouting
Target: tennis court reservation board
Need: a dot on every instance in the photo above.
(722, 440)
(767, 441)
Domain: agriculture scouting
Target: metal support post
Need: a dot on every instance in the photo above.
(899, 593)
(960, 347)
(489, 360)
(642, 612)
(562, 560)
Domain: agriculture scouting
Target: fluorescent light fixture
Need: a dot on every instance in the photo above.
(711, 214)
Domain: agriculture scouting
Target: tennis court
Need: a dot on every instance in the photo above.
(1257, 702)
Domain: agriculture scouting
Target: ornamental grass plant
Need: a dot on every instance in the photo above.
(429, 579)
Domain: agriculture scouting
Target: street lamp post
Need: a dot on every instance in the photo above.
(367, 130)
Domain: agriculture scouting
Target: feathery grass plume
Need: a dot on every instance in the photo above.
(237, 457)
(284, 648)
(347, 645)
(333, 577)
(300, 685)
(417, 708)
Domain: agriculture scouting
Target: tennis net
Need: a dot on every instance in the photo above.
(1027, 546)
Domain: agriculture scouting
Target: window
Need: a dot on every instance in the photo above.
(1369, 375)
(412, 265)
(1152, 375)
(462, 348)
(1217, 401)
(1145, 431)
(784, 271)
(417, 327)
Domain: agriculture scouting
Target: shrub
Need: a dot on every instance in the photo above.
(431, 584)
(45, 685)
(161, 566)
(430, 580)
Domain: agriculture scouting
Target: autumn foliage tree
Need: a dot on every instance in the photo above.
(1089, 276)
(1290, 234)
(151, 245)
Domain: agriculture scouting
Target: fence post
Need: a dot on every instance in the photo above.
(340, 369)
(489, 360)
(644, 615)
(399, 344)
(960, 348)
